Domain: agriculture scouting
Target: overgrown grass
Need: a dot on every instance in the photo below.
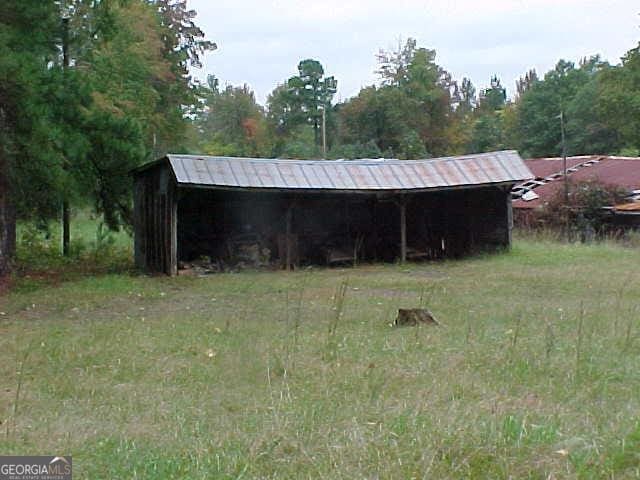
(93, 250)
(534, 373)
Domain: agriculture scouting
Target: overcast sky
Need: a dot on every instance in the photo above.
(260, 42)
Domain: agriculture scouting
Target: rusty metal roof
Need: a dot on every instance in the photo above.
(349, 175)
(628, 207)
(623, 172)
(546, 167)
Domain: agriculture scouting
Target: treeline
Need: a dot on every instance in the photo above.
(417, 110)
(89, 89)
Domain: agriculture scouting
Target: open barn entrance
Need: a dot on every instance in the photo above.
(287, 229)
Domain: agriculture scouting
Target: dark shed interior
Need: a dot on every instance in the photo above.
(354, 226)
(177, 223)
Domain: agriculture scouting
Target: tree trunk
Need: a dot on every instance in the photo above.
(66, 227)
(403, 231)
(66, 216)
(7, 221)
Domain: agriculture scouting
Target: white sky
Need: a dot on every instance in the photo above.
(260, 42)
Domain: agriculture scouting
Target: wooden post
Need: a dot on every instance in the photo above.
(403, 230)
(158, 231)
(66, 210)
(138, 223)
(174, 232)
(374, 238)
(509, 238)
(288, 235)
(152, 264)
(66, 227)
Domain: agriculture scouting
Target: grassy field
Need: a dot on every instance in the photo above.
(534, 372)
(94, 250)
(85, 228)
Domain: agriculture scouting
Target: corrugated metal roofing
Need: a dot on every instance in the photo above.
(628, 207)
(623, 172)
(351, 175)
(544, 167)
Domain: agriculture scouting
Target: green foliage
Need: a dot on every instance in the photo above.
(183, 44)
(232, 123)
(28, 88)
(116, 147)
(375, 114)
(588, 131)
(540, 105)
(76, 132)
(300, 144)
(427, 88)
(418, 97)
(410, 114)
(536, 112)
(485, 121)
(494, 97)
(412, 147)
(94, 249)
(465, 97)
(588, 200)
(599, 102)
(629, 152)
(301, 101)
(127, 97)
(524, 83)
(311, 89)
(280, 114)
(585, 208)
(355, 150)
(394, 65)
(487, 133)
(135, 74)
(618, 99)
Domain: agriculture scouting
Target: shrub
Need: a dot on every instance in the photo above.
(585, 210)
(38, 251)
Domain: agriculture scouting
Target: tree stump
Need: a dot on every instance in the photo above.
(414, 316)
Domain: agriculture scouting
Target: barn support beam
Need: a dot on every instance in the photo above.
(138, 224)
(509, 236)
(402, 204)
(374, 239)
(173, 233)
(288, 220)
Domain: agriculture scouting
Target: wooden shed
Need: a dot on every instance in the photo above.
(293, 212)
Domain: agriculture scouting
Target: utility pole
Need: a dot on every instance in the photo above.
(66, 217)
(564, 161)
(565, 178)
(155, 147)
(324, 131)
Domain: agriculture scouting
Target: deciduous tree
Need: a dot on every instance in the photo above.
(232, 123)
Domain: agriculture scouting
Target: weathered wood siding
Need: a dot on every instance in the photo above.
(428, 225)
(155, 221)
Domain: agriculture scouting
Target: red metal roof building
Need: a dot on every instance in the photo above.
(618, 171)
